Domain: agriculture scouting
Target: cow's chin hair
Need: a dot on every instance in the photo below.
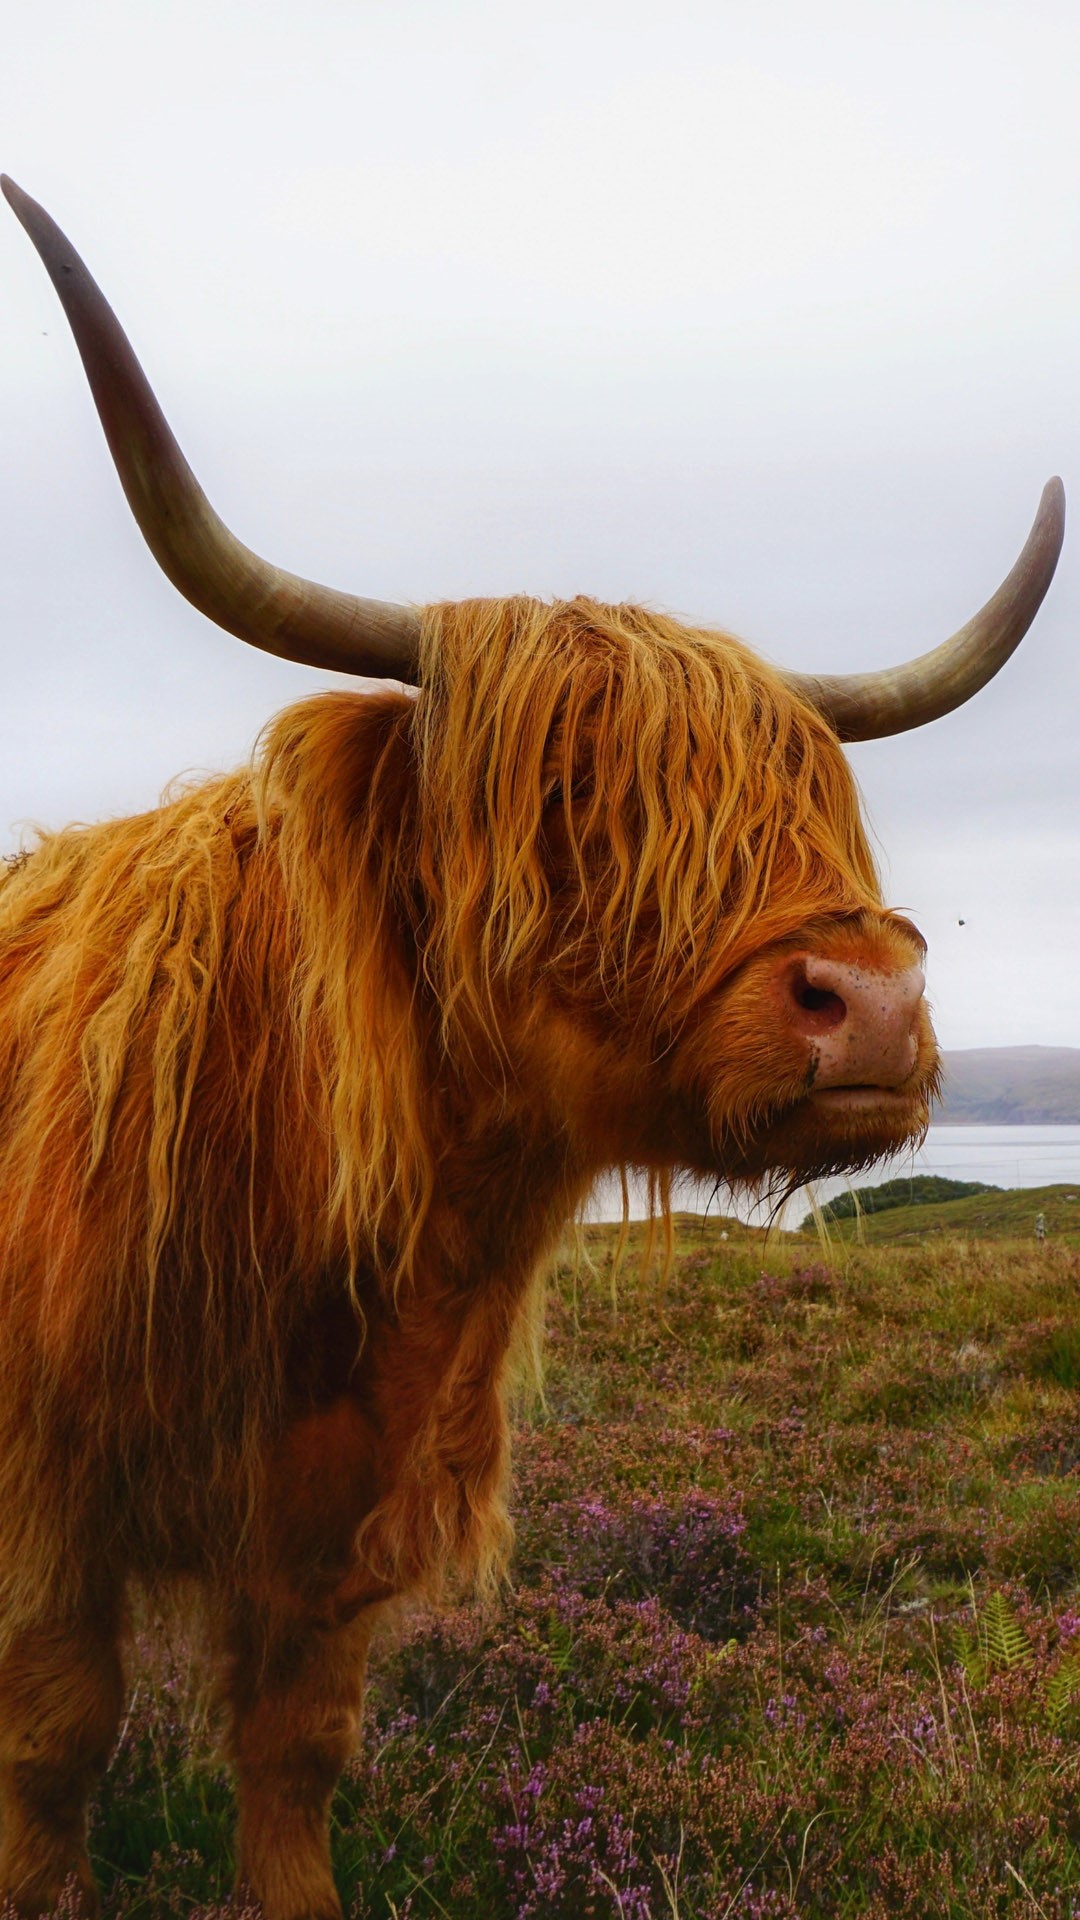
(813, 1139)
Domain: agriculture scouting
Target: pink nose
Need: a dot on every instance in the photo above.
(861, 1025)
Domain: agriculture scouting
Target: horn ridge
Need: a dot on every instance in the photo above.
(867, 706)
(280, 612)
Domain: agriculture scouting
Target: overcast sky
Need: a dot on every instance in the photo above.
(765, 313)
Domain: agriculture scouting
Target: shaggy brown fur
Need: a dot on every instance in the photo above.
(300, 1076)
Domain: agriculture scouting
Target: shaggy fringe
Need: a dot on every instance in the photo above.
(700, 809)
(240, 1036)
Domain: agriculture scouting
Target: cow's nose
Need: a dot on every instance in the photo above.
(861, 1024)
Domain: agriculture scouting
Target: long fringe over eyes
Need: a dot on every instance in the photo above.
(700, 809)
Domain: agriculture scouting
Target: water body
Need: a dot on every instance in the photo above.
(999, 1156)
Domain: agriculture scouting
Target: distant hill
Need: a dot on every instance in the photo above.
(911, 1190)
(1011, 1086)
(999, 1213)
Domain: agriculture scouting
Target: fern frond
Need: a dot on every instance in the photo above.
(1003, 1637)
(998, 1644)
(1062, 1690)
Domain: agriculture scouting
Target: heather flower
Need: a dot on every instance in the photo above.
(686, 1554)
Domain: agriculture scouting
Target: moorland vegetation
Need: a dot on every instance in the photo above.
(794, 1630)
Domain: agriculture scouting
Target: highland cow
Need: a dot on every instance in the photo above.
(302, 1074)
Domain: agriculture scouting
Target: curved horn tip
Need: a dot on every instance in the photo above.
(11, 191)
(1053, 496)
(26, 210)
(1049, 523)
(868, 706)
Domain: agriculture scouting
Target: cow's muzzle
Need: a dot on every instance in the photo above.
(861, 1026)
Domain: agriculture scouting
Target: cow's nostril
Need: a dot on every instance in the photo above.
(859, 1024)
(821, 1008)
(820, 1000)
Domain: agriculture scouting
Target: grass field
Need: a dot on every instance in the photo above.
(795, 1624)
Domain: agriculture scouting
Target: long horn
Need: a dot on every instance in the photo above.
(277, 611)
(866, 706)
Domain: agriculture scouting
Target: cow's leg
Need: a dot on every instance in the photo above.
(295, 1696)
(61, 1691)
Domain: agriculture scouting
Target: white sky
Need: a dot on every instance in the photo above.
(768, 313)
